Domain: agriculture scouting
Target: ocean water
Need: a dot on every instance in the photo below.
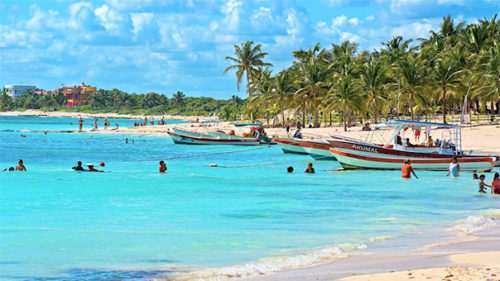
(245, 217)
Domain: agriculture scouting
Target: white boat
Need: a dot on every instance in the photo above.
(290, 145)
(391, 155)
(185, 139)
(189, 133)
(318, 150)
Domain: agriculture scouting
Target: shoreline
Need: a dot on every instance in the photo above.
(32, 112)
(457, 255)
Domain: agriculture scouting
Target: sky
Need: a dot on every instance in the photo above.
(165, 46)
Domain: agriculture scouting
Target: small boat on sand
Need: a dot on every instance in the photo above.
(186, 139)
(247, 124)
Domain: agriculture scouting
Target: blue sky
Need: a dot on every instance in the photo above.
(165, 45)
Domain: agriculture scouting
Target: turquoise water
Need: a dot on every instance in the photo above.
(136, 224)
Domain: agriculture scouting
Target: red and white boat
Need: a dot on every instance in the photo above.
(186, 139)
(355, 154)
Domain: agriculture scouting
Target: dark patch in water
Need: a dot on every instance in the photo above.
(97, 275)
(9, 262)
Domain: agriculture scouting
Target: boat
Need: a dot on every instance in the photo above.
(355, 154)
(290, 145)
(247, 124)
(185, 139)
(189, 133)
(223, 135)
(319, 150)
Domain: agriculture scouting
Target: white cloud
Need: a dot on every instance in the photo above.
(354, 21)
(79, 14)
(108, 17)
(338, 21)
(262, 17)
(344, 36)
(333, 3)
(139, 20)
(416, 29)
(451, 2)
(403, 6)
(370, 17)
(232, 10)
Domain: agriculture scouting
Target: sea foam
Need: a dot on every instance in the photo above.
(474, 223)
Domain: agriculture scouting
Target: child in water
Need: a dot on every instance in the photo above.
(482, 184)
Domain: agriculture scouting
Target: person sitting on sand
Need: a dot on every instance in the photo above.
(92, 169)
(289, 169)
(366, 127)
(163, 167)
(407, 170)
(454, 169)
(482, 184)
(495, 184)
(430, 142)
(20, 166)
(78, 166)
(297, 134)
(309, 169)
(474, 176)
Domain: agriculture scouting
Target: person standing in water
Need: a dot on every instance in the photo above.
(105, 123)
(78, 166)
(310, 169)
(95, 124)
(80, 124)
(495, 184)
(163, 167)
(407, 170)
(454, 169)
(20, 166)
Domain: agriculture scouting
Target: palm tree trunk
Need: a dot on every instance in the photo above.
(316, 124)
(283, 118)
(344, 119)
(330, 118)
(304, 113)
(375, 113)
(444, 104)
(411, 105)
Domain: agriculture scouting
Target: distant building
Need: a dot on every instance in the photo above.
(76, 95)
(17, 90)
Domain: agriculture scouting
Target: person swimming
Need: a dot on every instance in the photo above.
(407, 170)
(92, 169)
(20, 166)
(289, 169)
(78, 166)
(163, 167)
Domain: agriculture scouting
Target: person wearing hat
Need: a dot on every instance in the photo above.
(92, 169)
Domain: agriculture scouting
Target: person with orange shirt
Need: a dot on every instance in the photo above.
(163, 167)
(407, 170)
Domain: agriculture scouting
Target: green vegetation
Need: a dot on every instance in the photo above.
(117, 101)
(407, 78)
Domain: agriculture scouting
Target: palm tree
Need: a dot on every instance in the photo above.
(445, 74)
(282, 91)
(345, 93)
(373, 77)
(247, 58)
(311, 80)
(260, 93)
(178, 99)
(413, 73)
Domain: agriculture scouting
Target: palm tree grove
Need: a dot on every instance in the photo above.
(455, 70)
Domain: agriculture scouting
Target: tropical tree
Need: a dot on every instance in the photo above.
(445, 74)
(178, 99)
(247, 58)
(373, 78)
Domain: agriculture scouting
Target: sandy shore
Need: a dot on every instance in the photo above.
(31, 112)
(465, 258)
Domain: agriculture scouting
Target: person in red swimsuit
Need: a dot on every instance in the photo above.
(495, 184)
(163, 167)
(407, 170)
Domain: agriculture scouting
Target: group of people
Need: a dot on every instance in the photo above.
(90, 167)
(95, 128)
(454, 171)
(308, 170)
(495, 183)
(20, 167)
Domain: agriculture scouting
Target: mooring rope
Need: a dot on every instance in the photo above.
(203, 154)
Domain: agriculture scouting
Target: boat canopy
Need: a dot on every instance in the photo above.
(421, 123)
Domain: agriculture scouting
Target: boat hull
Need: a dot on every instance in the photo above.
(317, 149)
(184, 139)
(189, 133)
(290, 146)
(352, 160)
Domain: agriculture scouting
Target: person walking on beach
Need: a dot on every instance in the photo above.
(80, 124)
(482, 184)
(407, 170)
(495, 184)
(163, 167)
(287, 126)
(20, 166)
(78, 166)
(310, 169)
(454, 169)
